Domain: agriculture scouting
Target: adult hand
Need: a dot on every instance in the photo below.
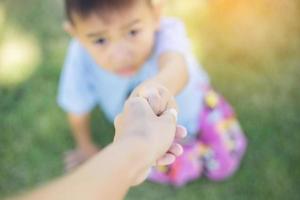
(157, 133)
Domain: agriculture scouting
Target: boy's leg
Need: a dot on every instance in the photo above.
(85, 148)
(223, 137)
(187, 167)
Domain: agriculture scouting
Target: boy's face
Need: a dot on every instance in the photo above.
(120, 41)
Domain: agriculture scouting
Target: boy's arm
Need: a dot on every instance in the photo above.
(173, 72)
(77, 99)
(81, 130)
(172, 43)
(172, 78)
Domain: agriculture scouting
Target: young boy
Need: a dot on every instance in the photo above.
(122, 48)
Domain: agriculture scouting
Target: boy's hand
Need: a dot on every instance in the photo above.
(158, 96)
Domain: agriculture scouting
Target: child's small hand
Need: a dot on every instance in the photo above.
(157, 96)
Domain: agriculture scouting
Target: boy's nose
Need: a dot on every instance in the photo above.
(120, 56)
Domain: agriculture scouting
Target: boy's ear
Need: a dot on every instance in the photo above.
(69, 28)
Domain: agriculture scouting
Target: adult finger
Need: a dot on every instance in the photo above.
(181, 132)
(170, 115)
(167, 159)
(176, 149)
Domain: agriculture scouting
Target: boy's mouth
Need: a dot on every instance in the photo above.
(127, 71)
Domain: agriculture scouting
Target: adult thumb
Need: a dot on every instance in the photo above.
(170, 115)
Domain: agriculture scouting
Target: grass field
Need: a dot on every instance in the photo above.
(264, 88)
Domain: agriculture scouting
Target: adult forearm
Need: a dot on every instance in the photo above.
(107, 176)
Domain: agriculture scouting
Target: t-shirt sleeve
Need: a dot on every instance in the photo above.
(75, 94)
(172, 36)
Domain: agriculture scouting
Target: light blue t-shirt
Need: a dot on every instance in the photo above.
(85, 85)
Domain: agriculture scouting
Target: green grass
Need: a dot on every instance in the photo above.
(266, 95)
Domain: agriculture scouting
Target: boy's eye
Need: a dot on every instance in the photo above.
(101, 41)
(133, 32)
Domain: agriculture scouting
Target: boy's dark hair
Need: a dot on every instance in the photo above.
(85, 7)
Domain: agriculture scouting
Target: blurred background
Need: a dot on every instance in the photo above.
(251, 50)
